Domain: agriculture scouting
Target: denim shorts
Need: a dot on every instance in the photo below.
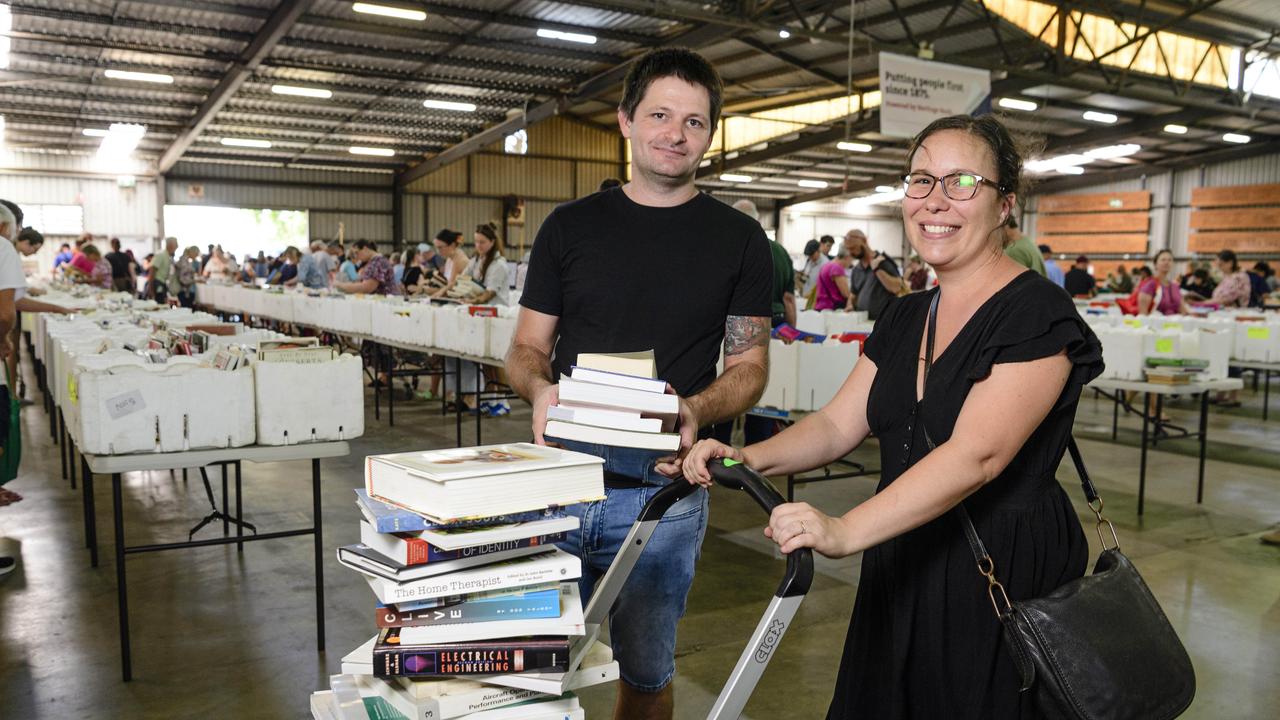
(642, 623)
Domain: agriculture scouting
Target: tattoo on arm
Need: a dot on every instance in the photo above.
(741, 333)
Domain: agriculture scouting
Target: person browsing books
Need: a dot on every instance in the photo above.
(376, 276)
(1010, 358)
(600, 281)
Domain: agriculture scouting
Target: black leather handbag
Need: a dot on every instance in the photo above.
(1097, 648)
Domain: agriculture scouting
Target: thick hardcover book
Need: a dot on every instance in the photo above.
(447, 485)
(622, 380)
(371, 561)
(555, 566)
(457, 538)
(409, 549)
(569, 623)
(485, 657)
(389, 518)
(475, 702)
(510, 606)
(612, 437)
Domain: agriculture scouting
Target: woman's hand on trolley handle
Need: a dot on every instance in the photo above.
(800, 525)
(702, 453)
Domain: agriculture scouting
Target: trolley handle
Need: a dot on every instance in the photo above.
(737, 476)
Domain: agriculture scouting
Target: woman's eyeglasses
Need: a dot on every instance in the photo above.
(956, 186)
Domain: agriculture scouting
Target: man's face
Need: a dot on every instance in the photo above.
(825, 246)
(856, 243)
(670, 131)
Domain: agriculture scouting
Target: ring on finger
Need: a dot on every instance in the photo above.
(803, 529)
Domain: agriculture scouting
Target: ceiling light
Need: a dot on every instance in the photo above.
(1105, 118)
(1175, 129)
(1056, 162)
(388, 11)
(784, 33)
(380, 152)
(246, 142)
(884, 188)
(1, 131)
(302, 91)
(1110, 152)
(854, 146)
(704, 163)
(94, 132)
(449, 105)
(1236, 138)
(876, 199)
(120, 140)
(730, 177)
(1071, 170)
(139, 76)
(1016, 104)
(570, 36)
(815, 184)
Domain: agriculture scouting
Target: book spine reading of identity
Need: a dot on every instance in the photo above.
(416, 551)
(532, 606)
(476, 658)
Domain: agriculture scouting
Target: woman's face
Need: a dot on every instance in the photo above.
(26, 248)
(946, 232)
(1164, 263)
(442, 247)
(1224, 266)
(483, 243)
(363, 255)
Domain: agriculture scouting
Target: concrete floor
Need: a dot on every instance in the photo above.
(216, 634)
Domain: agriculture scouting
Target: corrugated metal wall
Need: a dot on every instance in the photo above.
(497, 175)
(212, 171)
(414, 212)
(324, 226)
(49, 179)
(278, 197)
(462, 213)
(560, 137)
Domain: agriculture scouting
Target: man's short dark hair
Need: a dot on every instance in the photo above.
(1046, 250)
(13, 208)
(609, 184)
(363, 244)
(32, 236)
(64, 246)
(827, 239)
(678, 62)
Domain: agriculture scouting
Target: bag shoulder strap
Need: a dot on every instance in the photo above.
(976, 546)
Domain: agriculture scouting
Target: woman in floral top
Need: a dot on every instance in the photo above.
(376, 274)
(1234, 290)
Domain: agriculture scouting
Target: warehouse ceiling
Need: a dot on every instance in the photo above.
(226, 69)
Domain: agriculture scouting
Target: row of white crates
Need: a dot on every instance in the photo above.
(114, 402)
(1239, 335)
(806, 376)
(456, 328)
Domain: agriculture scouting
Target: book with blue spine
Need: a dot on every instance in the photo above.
(455, 599)
(540, 604)
(387, 518)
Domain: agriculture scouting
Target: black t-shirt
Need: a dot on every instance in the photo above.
(119, 264)
(1078, 282)
(412, 275)
(624, 277)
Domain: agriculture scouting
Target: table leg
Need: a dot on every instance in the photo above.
(391, 387)
(71, 463)
(458, 404)
(226, 529)
(1266, 396)
(1142, 467)
(122, 590)
(1204, 432)
(479, 386)
(84, 498)
(791, 488)
(239, 513)
(318, 521)
(377, 393)
(1115, 415)
(62, 443)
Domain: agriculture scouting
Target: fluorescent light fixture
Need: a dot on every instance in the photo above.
(854, 146)
(815, 184)
(1, 131)
(380, 152)
(1175, 129)
(1016, 104)
(1111, 152)
(120, 140)
(94, 132)
(449, 105)
(784, 33)
(302, 91)
(1071, 170)
(1060, 161)
(389, 11)
(704, 163)
(569, 36)
(730, 177)
(1236, 138)
(246, 142)
(139, 76)
(1105, 118)
(884, 189)
(876, 199)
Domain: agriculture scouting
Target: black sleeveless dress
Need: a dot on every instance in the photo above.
(924, 641)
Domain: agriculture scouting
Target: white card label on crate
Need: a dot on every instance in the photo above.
(126, 404)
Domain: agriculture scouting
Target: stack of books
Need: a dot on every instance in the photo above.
(477, 611)
(1174, 371)
(615, 400)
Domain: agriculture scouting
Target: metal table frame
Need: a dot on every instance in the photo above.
(1267, 369)
(790, 417)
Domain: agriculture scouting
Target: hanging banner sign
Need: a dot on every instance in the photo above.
(914, 93)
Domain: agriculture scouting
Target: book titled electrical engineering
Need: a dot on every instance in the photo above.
(554, 566)
(491, 480)
(487, 657)
(387, 518)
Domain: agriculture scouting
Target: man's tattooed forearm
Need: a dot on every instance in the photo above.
(741, 333)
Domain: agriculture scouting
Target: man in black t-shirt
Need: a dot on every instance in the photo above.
(122, 277)
(1078, 282)
(874, 277)
(601, 279)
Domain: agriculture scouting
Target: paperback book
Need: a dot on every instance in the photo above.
(410, 549)
(554, 566)
(387, 518)
(373, 562)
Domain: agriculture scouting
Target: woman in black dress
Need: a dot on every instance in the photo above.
(1010, 359)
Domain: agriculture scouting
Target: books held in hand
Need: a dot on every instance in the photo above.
(640, 364)
(619, 380)
(599, 417)
(447, 485)
(609, 397)
(615, 438)
(411, 549)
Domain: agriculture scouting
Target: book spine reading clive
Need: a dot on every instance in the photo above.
(545, 605)
(420, 551)
(470, 659)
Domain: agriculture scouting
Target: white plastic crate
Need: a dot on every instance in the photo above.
(822, 369)
(783, 384)
(309, 402)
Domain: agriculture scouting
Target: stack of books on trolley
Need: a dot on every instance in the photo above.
(477, 612)
(614, 399)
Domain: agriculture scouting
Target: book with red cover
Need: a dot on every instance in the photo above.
(488, 657)
(408, 549)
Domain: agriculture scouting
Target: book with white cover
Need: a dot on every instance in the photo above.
(604, 418)
(322, 707)
(554, 566)
(615, 379)
(616, 398)
(477, 701)
(569, 623)
(373, 562)
(640, 364)
(465, 537)
(613, 438)
(484, 481)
